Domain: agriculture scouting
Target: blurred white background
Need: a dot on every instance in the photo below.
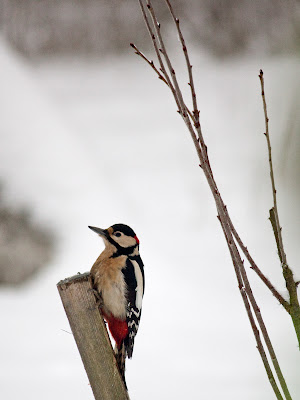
(94, 139)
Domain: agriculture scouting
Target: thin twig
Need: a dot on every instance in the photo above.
(151, 63)
(156, 25)
(189, 65)
(196, 111)
(156, 48)
(277, 230)
(183, 109)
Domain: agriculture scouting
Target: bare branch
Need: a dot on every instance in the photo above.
(274, 211)
(238, 266)
(226, 224)
(294, 307)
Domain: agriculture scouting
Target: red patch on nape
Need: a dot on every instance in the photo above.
(118, 329)
(137, 240)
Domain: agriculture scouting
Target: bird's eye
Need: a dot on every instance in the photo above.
(118, 234)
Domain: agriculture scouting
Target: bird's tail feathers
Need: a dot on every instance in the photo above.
(120, 353)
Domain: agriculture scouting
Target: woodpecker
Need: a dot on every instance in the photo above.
(119, 281)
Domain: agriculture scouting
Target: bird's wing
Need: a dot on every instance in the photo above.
(134, 278)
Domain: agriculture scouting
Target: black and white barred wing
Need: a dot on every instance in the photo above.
(134, 278)
(133, 320)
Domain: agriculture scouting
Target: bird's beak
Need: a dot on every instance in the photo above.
(99, 231)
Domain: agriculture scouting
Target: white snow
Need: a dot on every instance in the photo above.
(99, 142)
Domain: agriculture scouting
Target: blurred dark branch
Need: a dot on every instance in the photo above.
(201, 148)
(93, 27)
(21, 234)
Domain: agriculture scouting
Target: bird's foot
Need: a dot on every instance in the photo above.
(99, 300)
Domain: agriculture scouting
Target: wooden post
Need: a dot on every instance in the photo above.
(91, 338)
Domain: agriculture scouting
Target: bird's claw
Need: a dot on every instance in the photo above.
(99, 300)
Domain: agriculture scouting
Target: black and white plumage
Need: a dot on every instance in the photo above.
(118, 277)
(135, 282)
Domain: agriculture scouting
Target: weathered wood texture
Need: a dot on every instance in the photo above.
(91, 338)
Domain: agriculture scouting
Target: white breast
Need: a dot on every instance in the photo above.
(114, 298)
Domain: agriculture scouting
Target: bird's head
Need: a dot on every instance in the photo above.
(121, 236)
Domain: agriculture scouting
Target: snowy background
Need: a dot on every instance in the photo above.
(98, 141)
